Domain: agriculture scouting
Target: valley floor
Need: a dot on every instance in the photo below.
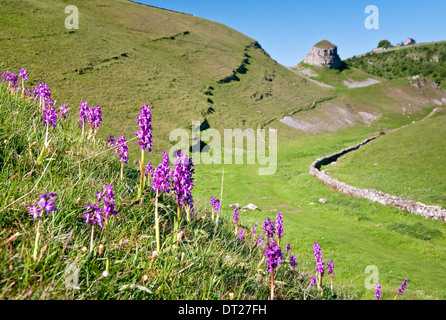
(355, 233)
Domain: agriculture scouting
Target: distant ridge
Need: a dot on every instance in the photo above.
(150, 55)
(400, 48)
(422, 59)
(148, 5)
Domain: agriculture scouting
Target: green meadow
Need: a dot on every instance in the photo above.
(413, 156)
(49, 258)
(192, 69)
(354, 233)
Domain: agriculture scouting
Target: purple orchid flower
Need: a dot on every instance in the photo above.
(274, 254)
(145, 125)
(63, 110)
(269, 228)
(378, 293)
(279, 224)
(46, 203)
(181, 177)
(160, 176)
(83, 113)
(293, 261)
(50, 115)
(317, 251)
(93, 214)
(402, 287)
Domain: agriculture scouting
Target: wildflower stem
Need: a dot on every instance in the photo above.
(221, 197)
(45, 145)
(319, 282)
(46, 135)
(188, 213)
(91, 240)
(122, 171)
(107, 264)
(177, 222)
(36, 243)
(272, 283)
(141, 183)
(157, 229)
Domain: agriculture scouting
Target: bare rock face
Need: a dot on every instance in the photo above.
(324, 54)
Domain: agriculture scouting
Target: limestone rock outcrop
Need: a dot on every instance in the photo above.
(324, 54)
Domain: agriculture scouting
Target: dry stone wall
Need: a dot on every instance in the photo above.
(427, 211)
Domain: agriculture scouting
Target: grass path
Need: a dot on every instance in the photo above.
(320, 84)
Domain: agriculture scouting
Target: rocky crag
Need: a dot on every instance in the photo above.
(324, 54)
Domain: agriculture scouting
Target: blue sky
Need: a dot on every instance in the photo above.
(287, 29)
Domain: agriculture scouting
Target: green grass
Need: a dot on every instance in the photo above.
(354, 233)
(405, 163)
(427, 60)
(417, 230)
(115, 61)
(208, 263)
(324, 44)
(122, 60)
(336, 77)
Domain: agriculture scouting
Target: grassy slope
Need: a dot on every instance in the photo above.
(335, 77)
(215, 262)
(354, 231)
(393, 101)
(412, 156)
(170, 75)
(406, 62)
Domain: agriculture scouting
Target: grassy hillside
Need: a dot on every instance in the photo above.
(126, 54)
(427, 60)
(413, 157)
(208, 261)
(357, 232)
(360, 98)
